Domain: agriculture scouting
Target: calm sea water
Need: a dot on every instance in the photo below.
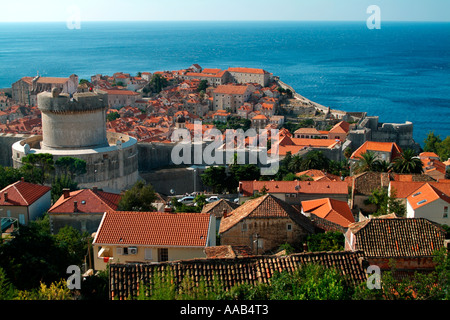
(400, 72)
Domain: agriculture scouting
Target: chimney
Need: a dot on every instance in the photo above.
(225, 213)
(167, 209)
(66, 193)
(22, 179)
(95, 189)
(75, 206)
(6, 196)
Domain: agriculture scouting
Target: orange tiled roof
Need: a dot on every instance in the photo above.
(231, 89)
(425, 195)
(308, 187)
(391, 147)
(88, 201)
(247, 70)
(341, 127)
(266, 206)
(398, 237)
(330, 209)
(153, 229)
(22, 193)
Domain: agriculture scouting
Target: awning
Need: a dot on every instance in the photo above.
(104, 253)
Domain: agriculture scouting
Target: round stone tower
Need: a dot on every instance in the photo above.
(73, 123)
(76, 127)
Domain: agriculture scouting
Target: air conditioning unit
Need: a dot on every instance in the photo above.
(132, 250)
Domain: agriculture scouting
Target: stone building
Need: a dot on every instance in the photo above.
(76, 127)
(263, 224)
(409, 242)
(25, 90)
(250, 75)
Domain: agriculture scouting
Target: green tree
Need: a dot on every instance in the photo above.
(327, 241)
(74, 242)
(71, 166)
(408, 162)
(157, 83)
(215, 178)
(367, 161)
(202, 86)
(60, 183)
(386, 204)
(112, 116)
(315, 160)
(32, 257)
(139, 198)
(39, 165)
(443, 149)
(431, 142)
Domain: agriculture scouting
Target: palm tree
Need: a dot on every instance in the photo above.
(367, 162)
(408, 162)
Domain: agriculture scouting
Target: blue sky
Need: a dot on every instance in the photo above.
(156, 10)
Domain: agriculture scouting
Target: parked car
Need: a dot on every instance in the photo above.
(186, 200)
(212, 199)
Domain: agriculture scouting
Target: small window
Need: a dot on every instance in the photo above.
(21, 218)
(416, 194)
(244, 226)
(163, 254)
(422, 201)
(445, 212)
(289, 227)
(148, 254)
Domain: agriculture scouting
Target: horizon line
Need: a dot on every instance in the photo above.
(237, 20)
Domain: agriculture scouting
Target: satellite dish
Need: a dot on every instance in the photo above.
(172, 191)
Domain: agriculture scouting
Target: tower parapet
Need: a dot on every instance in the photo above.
(77, 122)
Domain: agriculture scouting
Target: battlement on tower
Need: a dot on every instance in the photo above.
(80, 102)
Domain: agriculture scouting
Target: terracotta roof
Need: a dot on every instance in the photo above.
(124, 279)
(305, 187)
(398, 237)
(120, 92)
(307, 131)
(266, 206)
(154, 228)
(390, 147)
(341, 127)
(52, 80)
(88, 201)
(405, 188)
(247, 70)
(330, 209)
(231, 89)
(217, 207)
(227, 252)
(22, 193)
(425, 195)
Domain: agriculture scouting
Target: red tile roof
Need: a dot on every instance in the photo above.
(305, 187)
(390, 147)
(153, 229)
(266, 206)
(231, 89)
(247, 70)
(398, 237)
(22, 193)
(330, 209)
(425, 195)
(88, 201)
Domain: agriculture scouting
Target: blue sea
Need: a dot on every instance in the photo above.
(400, 72)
